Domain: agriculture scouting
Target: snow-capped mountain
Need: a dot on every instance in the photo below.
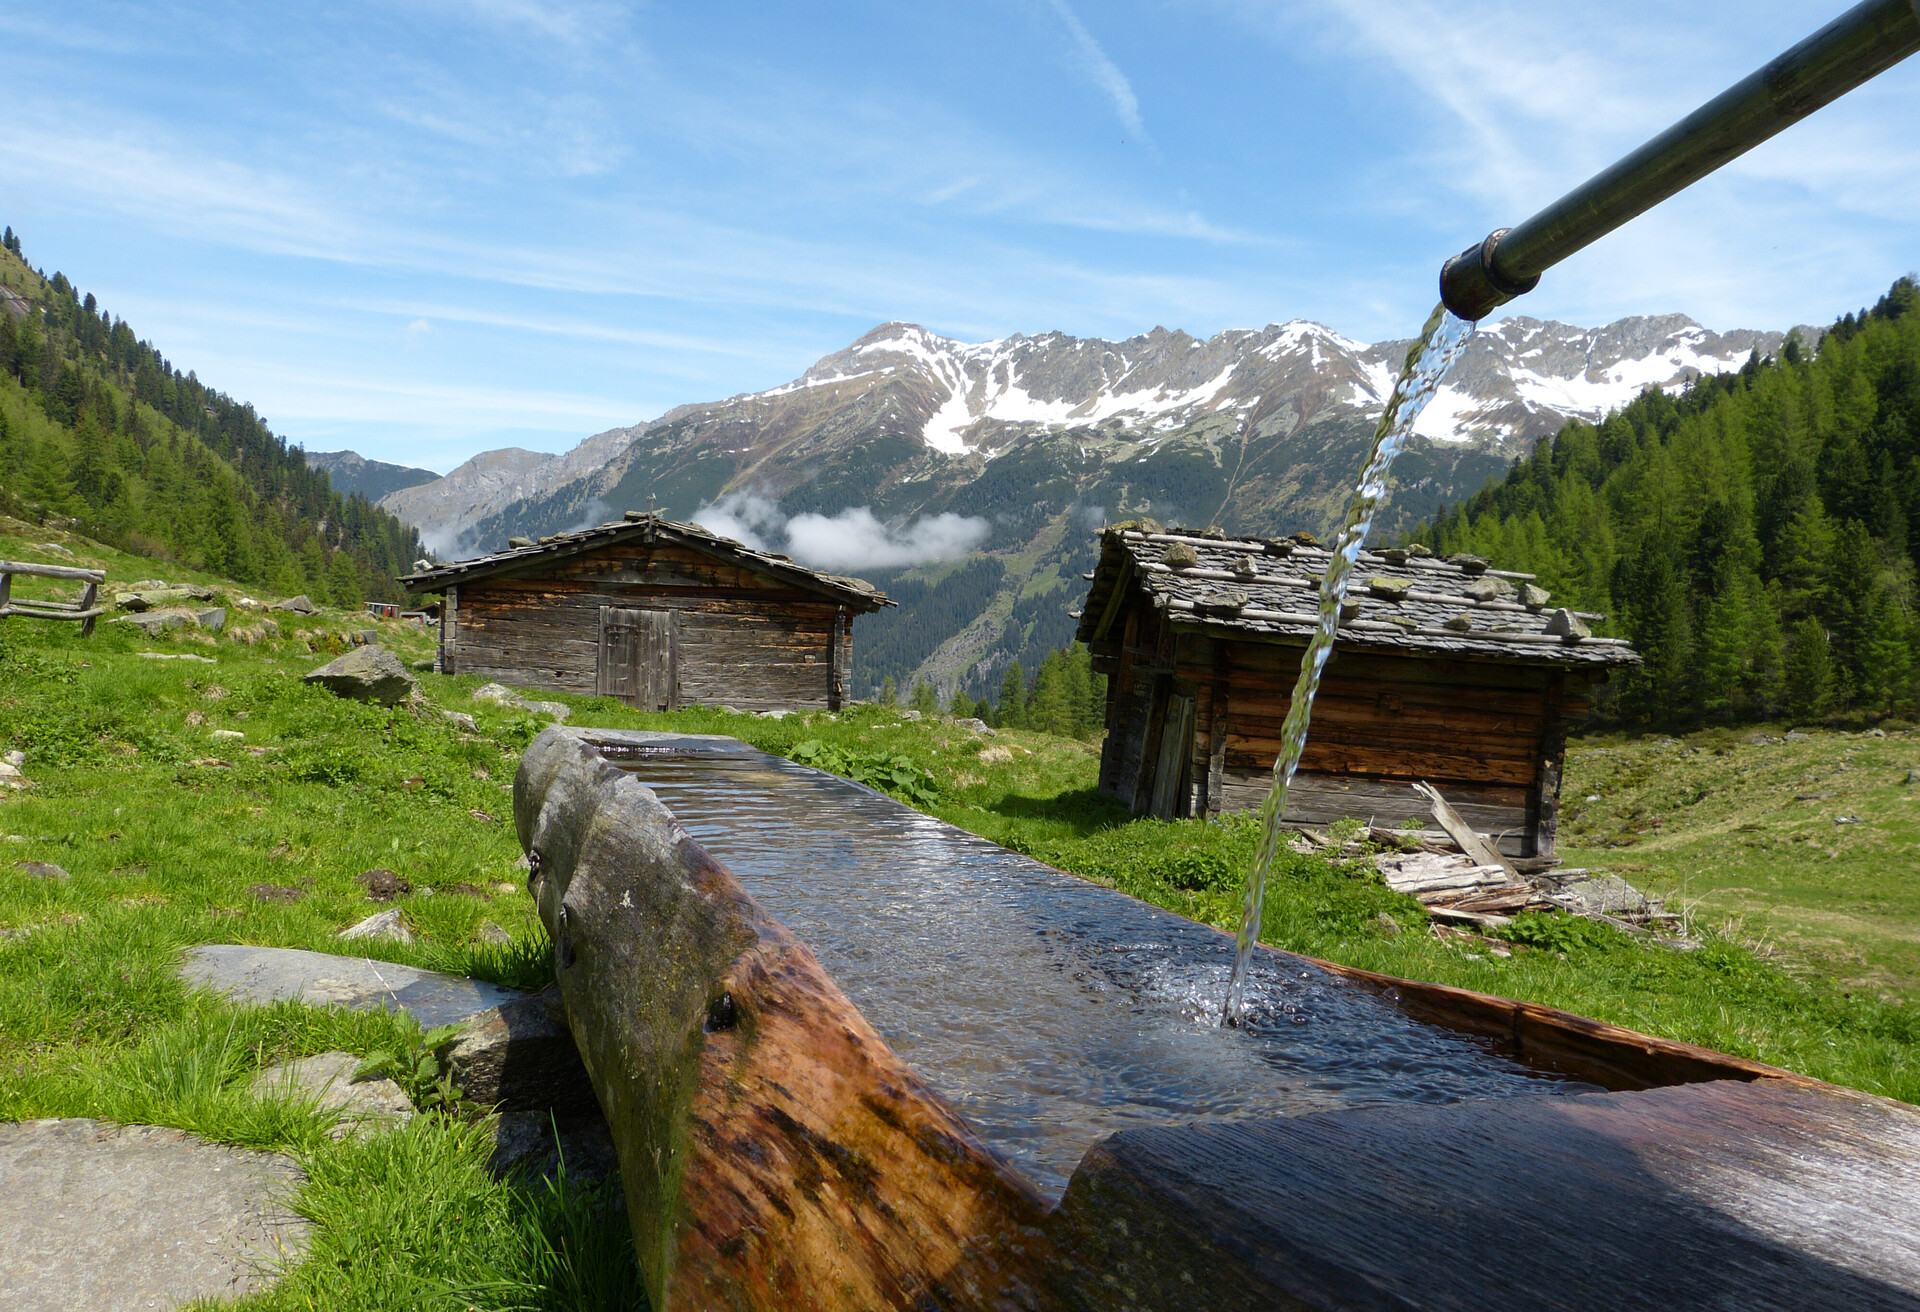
(1253, 430)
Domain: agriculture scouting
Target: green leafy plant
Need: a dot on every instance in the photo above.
(898, 775)
(1555, 931)
(420, 1067)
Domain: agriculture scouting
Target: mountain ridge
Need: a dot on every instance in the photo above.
(1041, 437)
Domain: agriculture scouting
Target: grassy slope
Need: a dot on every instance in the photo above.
(162, 852)
(1741, 824)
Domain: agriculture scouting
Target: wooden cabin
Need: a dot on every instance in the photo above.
(1446, 671)
(657, 613)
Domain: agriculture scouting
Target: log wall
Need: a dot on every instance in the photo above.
(742, 639)
(1489, 735)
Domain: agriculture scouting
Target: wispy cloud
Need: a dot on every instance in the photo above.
(1103, 71)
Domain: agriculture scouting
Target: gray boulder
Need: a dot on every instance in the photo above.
(298, 605)
(159, 621)
(1565, 624)
(368, 674)
(213, 619)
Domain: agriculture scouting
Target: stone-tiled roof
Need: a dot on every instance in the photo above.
(1398, 600)
(529, 556)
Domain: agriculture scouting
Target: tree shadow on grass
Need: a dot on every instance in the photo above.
(1084, 811)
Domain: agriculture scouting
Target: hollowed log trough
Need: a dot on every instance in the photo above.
(776, 1154)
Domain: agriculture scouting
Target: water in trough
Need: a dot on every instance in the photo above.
(1050, 1011)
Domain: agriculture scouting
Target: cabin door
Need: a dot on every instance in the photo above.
(639, 657)
(1173, 758)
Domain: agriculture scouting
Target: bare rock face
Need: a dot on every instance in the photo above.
(124, 1218)
(367, 674)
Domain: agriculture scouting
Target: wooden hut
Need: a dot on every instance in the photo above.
(657, 613)
(1446, 671)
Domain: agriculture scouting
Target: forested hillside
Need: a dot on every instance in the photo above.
(1754, 536)
(96, 426)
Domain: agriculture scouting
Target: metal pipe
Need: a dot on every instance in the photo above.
(1866, 40)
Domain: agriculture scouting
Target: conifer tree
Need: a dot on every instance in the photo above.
(924, 699)
(1010, 712)
(889, 692)
(1809, 673)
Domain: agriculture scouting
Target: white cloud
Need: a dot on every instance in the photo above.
(857, 539)
(854, 539)
(1105, 73)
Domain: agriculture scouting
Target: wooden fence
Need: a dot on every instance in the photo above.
(83, 610)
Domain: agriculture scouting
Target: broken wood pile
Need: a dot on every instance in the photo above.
(1464, 879)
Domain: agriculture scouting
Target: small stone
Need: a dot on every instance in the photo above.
(1534, 597)
(213, 619)
(909, 714)
(1593, 797)
(1350, 610)
(1181, 555)
(504, 887)
(1795, 736)
(496, 692)
(1389, 589)
(976, 725)
(1303, 539)
(516, 542)
(480, 815)
(1811, 797)
(464, 890)
(15, 758)
(422, 565)
(384, 885)
(226, 733)
(1245, 568)
(1846, 819)
(367, 674)
(520, 1056)
(492, 935)
(1388, 925)
(1467, 564)
(558, 710)
(299, 605)
(1230, 602)
(1487, 588)
(1876, 733)
(367, 1107)
(1419, 550)
(1565, 624)
(1461, 623)
(1913, 776)
(382, 925)
(41, 870)
(275, 893)
(1393, 555)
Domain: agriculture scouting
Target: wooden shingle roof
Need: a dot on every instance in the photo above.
(648, 527)
(1269, 588)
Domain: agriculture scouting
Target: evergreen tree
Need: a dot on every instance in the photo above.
(1052, 707)
(889, 693)
(1010, 712)
(343, 582)
(1809, 674)
(924, 698)
(961, 706)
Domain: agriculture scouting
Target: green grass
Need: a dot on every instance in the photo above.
(163, 845)
(1741, 830)
(164, 829)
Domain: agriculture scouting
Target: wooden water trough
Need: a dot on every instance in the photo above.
(84, 610)
(777, 1154)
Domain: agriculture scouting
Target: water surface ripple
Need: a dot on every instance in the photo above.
(1050, 1011)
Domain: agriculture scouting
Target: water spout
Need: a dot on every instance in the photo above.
(1428, 361)
(1860, 44)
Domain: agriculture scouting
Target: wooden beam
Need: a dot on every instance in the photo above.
(53, 571)
(1482, 852)
(1116, 599)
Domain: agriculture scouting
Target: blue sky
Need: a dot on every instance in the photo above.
(422, 230)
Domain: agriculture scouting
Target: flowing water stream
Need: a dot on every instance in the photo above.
(1428, 361)
(1050, 1011)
